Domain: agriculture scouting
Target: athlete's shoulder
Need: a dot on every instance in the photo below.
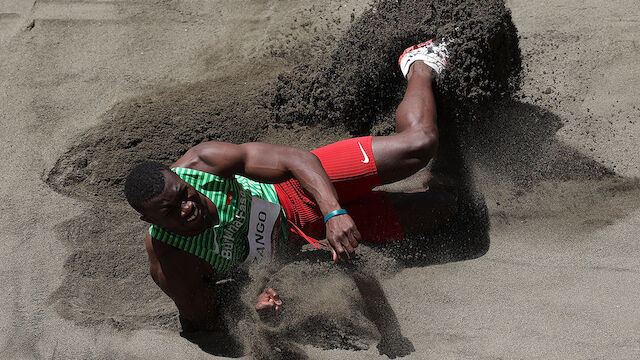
(213, 157)
(154, 245)
(192, 160)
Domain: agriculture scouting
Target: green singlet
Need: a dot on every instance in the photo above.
(252, 222)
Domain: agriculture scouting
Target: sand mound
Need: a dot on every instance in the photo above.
(159, 126)
(354, 87)
(359, 82)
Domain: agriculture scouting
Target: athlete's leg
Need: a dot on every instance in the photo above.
(416, 142)
(387, 217)
(423, 211)
(401, 155)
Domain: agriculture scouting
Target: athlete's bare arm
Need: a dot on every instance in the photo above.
(182, 277)
(273, 164)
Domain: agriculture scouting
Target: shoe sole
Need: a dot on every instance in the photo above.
(414, 47)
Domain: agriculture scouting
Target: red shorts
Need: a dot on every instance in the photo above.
(353, 172)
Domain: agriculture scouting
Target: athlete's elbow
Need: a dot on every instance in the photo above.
(300, 159)
(190, 324)
(199, 316)
(155, 272)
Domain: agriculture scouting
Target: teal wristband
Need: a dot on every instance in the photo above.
(334, 213)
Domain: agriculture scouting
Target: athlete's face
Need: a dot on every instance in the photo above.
(180, 208)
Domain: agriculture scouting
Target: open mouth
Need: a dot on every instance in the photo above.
(194, 214)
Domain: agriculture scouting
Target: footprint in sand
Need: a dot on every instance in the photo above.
(19, 15)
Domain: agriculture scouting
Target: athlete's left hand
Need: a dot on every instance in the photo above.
(343, 237)
(268, 304)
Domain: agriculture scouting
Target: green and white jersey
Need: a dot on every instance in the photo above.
(252, 222)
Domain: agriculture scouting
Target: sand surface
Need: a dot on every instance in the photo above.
(556, 166)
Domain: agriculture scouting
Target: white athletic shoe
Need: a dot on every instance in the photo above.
(431, 53)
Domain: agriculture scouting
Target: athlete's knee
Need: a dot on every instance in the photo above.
(422, 144)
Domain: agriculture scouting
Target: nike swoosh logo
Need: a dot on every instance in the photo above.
(366, 158)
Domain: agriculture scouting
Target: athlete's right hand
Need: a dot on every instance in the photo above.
(343, 236)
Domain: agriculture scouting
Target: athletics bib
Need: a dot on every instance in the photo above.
(264, 226)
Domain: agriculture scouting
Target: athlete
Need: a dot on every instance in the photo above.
(222, 204)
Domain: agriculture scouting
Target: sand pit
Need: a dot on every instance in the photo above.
(338, 92)
(545, 155)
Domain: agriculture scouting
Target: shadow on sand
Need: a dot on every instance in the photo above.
(516, 145)
(517, 141)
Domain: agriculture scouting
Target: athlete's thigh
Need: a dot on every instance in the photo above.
(351, 167)
(422, 211)
(383, 217)
(376, 218)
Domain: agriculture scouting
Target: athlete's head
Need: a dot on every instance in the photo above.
(164, 199)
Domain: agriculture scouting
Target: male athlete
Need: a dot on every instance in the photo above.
(222, 204)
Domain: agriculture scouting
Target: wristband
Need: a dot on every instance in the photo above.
(334, 213)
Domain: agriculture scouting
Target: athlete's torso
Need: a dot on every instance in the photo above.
(251, 222)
